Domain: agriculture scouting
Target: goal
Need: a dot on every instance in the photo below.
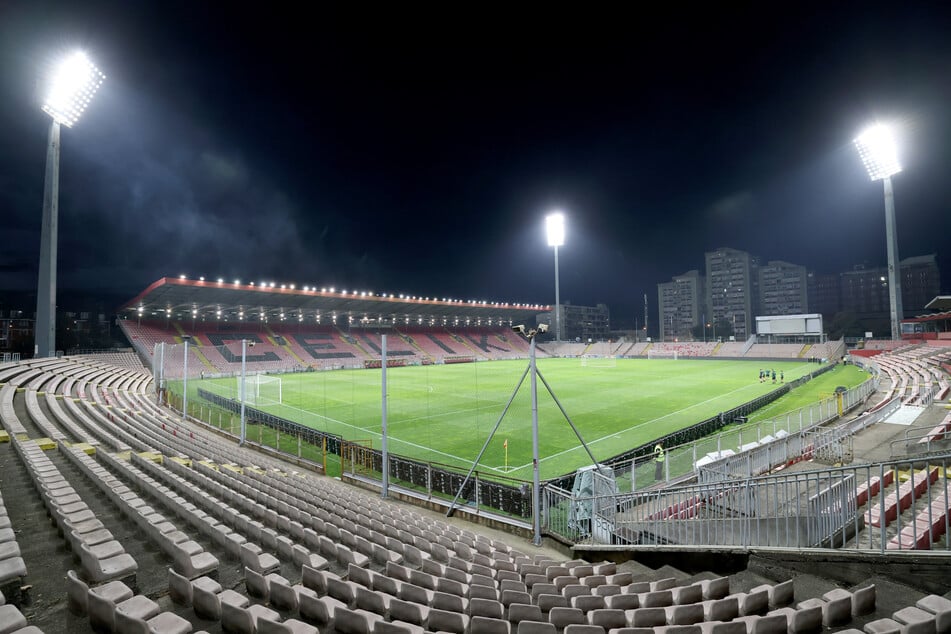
(263, 390)
(662, 354)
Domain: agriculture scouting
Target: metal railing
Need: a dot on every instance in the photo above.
(894, 505)
(775, 441)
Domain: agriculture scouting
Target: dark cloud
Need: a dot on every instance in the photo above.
(379, 154)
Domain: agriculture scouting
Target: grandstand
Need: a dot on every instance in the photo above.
(120, 516)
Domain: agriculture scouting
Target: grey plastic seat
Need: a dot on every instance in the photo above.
(162, 623)
(610, 618)
(725, 609)
(445, 621)
(243, 620)
(563, 617)
(290, 626)
(519, 612)
(547, 602)
(647, 617)
(372, 601)
(801, 621)
(282, 595)
(487, 625)
(772, 624)
(179, 588)
(256, 584)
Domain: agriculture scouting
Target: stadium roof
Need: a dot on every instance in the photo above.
(941, 302)
(218, 300)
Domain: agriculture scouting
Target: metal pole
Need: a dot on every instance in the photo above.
(894, 274)
(45, 330)
(536, 500)
(163, 393)
(185, 385)
(244, 387)
(384, 489)
(557, 302)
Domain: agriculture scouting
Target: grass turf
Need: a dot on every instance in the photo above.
(445, 413)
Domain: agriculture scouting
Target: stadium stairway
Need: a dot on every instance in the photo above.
(467, 345)
(353, 341)
(272, 337)
(805, 350)
(410, 341)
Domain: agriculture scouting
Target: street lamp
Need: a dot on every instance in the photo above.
(555, 227)
(71, 88)
(186, 338)
(876, 147)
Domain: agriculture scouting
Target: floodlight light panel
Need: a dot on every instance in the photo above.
(877, 149)
(555, 228)
(72, 87)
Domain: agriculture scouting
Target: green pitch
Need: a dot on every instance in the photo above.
(444, 413)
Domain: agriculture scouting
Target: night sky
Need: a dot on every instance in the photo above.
(418, 150)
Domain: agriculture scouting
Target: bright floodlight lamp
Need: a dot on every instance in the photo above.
(876, 146)
(878, 151)
(71, 88)
(555, 228)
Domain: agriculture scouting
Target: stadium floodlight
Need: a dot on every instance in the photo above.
(878, 151)
(186, 339)
(71, 87)
(555, 228)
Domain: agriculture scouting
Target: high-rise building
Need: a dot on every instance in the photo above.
(865, 291)
(920, 283)
(731, 279)
(782, 289)
(680, 304)
(824, 294)
(581, 323)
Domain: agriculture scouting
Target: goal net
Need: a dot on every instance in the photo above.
(662, 354)
(599, 355)
(262, 389)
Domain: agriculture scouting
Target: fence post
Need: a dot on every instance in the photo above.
(476, 483)
(299, 446)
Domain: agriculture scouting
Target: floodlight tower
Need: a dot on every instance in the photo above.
(876, 147)
(71, 88)
(555, 227)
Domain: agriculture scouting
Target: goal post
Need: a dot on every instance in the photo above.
(662, 354)
(262, 390)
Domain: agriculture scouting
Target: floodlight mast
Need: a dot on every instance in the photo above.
(555, 228)
(877, 149)
(71, 89)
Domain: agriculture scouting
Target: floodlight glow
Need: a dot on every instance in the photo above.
(876, 146)
(72, 86)
(555, 227)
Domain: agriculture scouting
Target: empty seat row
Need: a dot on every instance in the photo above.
(102, 557)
